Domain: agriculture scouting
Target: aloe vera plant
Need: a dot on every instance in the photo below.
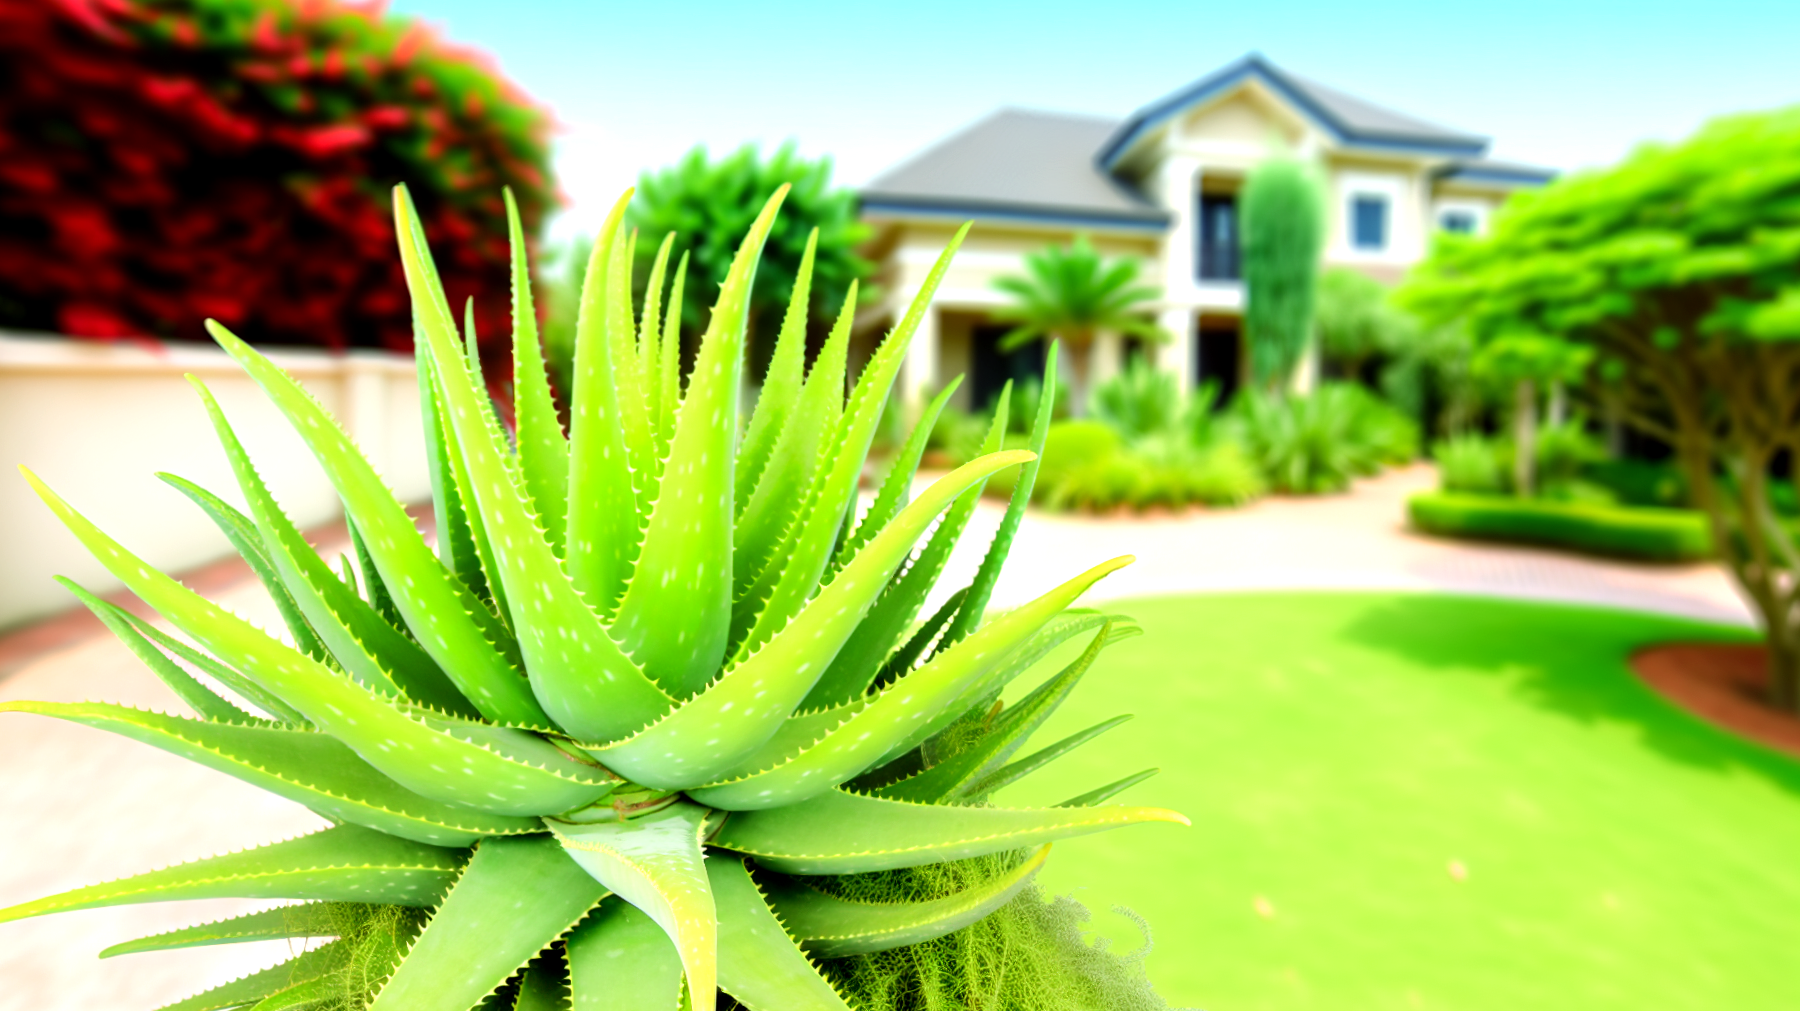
(659, 684)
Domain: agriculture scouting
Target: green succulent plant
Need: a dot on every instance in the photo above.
(659, 688)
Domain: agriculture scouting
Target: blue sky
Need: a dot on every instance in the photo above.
(1561, 84)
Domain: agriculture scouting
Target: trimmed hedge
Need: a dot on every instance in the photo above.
(1638, 532)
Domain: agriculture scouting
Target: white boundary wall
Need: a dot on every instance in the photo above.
(97, 420)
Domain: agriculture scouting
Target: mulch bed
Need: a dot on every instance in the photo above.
(1724, 684)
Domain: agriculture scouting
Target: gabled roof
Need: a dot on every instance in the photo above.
(1020, 165)
(1347, 119)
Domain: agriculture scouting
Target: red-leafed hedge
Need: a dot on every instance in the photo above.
(164, 161)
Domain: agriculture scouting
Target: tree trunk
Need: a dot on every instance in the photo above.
(1558, 409)
(1080, 360)
(1524, 437)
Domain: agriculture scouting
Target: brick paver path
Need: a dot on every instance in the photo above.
(81, 806)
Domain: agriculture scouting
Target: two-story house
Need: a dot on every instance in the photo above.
(1162, 186)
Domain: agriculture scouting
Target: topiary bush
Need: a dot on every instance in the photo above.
(164, 161)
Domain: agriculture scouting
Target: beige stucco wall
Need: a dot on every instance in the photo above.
(96, 421)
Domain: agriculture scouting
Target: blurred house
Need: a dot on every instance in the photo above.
(1162, 186)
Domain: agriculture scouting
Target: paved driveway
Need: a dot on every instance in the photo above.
(82, 806)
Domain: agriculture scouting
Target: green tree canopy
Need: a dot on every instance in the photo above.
(1680, 269)
(709, 205)
(1356, 320)
(1284, 230)
(1074, 294)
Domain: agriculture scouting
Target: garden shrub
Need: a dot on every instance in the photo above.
(1315, 444)
(1470, 463)
(1641, 482)
(1637, 532)
(1138, 401)
(164, 161)
(1565, 452)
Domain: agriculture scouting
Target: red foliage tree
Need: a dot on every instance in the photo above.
(165, 161)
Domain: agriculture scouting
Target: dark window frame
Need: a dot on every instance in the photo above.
(1369, 210)
(1217, 238)
(1458, 220)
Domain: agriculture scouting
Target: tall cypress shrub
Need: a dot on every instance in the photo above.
(1284, 228)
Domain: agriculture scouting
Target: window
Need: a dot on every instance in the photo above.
(1218, 238)
(1460, 222)
(1368, 222)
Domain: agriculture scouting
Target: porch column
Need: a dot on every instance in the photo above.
(1178, 186)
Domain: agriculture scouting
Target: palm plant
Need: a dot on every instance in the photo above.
(655, 692)
(1072, 294)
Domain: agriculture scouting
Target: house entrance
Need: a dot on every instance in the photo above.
(1219, 349)
(990, 367)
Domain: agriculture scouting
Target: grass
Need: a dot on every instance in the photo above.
(1342, 755)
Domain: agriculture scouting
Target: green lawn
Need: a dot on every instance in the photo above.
(1337, 752)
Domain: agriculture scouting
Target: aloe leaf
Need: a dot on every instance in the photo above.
(308, 919)
(846, 833)
(347, 863)
(515, 898)
(806, 550)
(634, 402)
(832, 927)
(982, 587)
(300, 970)
(887, 722)
(245, 688)
(247, 540)
(543, 450)
(446, 618)
(620, 960)
(1011, 773)
(357, 635)
(770, 506)
(717, 729)
(304, 766)
(859, 662)
(980, 696)
(603, 507)
(456, 537)
(668, 366)
(199, 698)
(501, 770)
(759, 964)
(1109, 791)
(654, 862)
(650, 346)
(380, 597)
(576, 668)
(907, 656)
(896, 487)
(487, 570)
(685, 565)
(780, 392)
(1004, 735)
(544, 986)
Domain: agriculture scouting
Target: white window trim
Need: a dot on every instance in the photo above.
(1389, 187)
